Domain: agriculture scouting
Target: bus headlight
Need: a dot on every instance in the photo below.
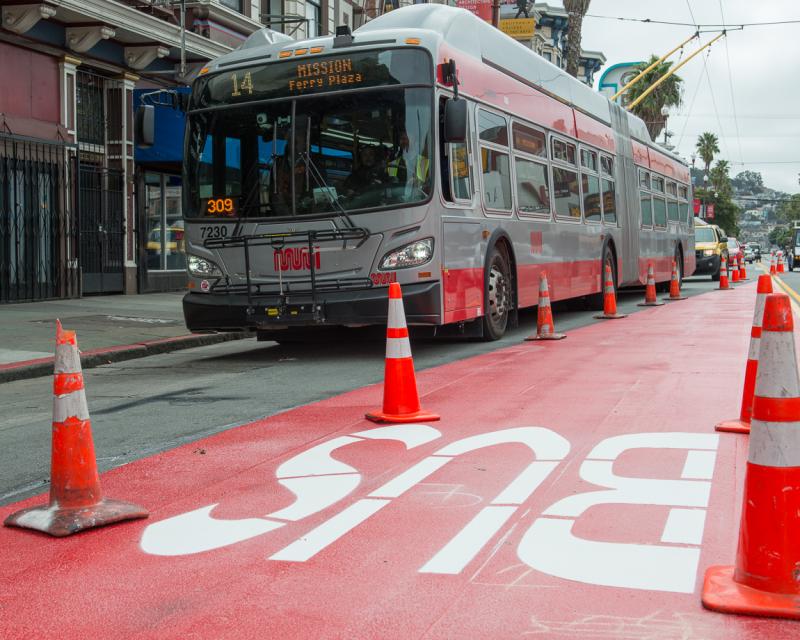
(412, 255)
(708, 252)
(202, 268)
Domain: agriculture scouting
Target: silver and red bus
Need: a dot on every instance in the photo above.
(426, 148)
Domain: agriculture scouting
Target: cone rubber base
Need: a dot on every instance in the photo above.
(551, 336)
(417, 416)
(722, 593)
(729, 288)
(733, 426)
(66, 521)
(669, 298)
(657, 303)
(613, 316)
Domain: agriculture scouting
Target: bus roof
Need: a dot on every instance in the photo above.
(435, 25)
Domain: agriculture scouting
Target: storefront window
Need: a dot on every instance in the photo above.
(165, 245)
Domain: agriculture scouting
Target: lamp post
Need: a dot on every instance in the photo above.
(665, 115)
(705, 191)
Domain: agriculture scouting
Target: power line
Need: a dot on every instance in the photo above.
(730, 84)
(740, 25)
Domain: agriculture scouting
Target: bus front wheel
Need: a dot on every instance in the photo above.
(497, 295)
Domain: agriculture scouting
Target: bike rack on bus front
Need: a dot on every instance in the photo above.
(278, 241)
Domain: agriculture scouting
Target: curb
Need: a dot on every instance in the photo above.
(106, 355)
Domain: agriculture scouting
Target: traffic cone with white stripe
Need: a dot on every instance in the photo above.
(545, 328)
(742, 425)
(400, 396)
(742, 270)
(780, 262)
(76, 501)
(765, 581)
(610, 299)
(723, 274)
(650, 299)
(734, 271)
(675, 285)
(773, 268)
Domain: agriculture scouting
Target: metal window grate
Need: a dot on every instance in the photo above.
(90, 108)
(38, 221)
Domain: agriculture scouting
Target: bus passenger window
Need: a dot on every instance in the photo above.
(533, 190)
(647, 209)
(672, 211)
(609, 203)
(492, 128)
(530, 141)
(565, 190)
(563, 151)
(591, 197)
(496, 179)
(589, 160)
(607, 165)
(460, 185)
(659, 212)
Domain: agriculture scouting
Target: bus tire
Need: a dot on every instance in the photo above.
(679, 263)
(595, 301)
(497, 294)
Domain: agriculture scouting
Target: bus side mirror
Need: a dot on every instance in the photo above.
(145, 126)
(455, 120)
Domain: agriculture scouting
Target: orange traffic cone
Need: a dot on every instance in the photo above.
(400, 397)
(723, 274)
(545, 329)
(742, 270)
(734, 270)
(650, 299)
(780, 262)
(773, 269)
(610, 299)
(76, 501)
(742, 425)
(675, 285)
(764, 581)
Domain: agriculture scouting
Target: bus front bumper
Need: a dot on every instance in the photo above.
(213, 312)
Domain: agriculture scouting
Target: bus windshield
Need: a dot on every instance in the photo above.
(342, 133)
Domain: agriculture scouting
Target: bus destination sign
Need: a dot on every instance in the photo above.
(310, 75)
(326, 74)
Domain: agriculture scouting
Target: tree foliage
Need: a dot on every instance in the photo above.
(750, 181)
(707, 147)
(780, 236)
(576, 10)
(669, 93)
(790, 211)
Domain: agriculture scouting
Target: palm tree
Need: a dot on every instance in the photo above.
(707, 147)
(575, 9)
(668, 94)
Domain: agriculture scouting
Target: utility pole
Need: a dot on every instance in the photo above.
(495, 13)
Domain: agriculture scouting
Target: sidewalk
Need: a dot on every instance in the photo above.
(110, 329)
(572, 489)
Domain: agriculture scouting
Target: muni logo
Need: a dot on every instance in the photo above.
(295, 259)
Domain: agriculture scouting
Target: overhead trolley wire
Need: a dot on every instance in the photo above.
(729, 27)
(730, 84)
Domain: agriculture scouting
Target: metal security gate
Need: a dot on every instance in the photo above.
(38, 221)
(102, 228)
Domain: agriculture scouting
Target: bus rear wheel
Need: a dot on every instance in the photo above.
(497, 295)
(595, 301)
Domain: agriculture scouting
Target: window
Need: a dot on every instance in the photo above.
(658, 184)
(609, 202)
(565, 191)
(496, 179)
(312, 15)
(589, 159)
(563, 151)
(672, 211)
(533, 192)
(591, 197)
(704, 234)
(660, 212)
(236, 5)
(492, 128)
(672, 189)
(529, 140)
(644, 179)
(547, 55)
(647, 209)
(165, 246)
(683, 193)
(496, 164)
(607, 165)
(460, 184)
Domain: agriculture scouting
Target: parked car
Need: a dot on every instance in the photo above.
(756, 250)
(749, 254)
(735, 250)
(710, 246)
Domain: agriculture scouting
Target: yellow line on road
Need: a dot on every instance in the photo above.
(795, 296)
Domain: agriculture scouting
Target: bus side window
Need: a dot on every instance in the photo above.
(609, 192)
(645, 199)
(496, 167)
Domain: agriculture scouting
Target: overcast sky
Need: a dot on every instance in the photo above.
(765, 73)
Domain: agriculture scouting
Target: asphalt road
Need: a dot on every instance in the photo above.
(144, 406)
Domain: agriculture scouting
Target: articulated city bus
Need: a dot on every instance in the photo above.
(426, 148)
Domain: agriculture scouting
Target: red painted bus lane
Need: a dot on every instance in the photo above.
(571, 490)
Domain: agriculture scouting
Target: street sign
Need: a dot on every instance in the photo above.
(710, 211)
(518, 28)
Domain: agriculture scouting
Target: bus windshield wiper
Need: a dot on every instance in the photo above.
(319, 179)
